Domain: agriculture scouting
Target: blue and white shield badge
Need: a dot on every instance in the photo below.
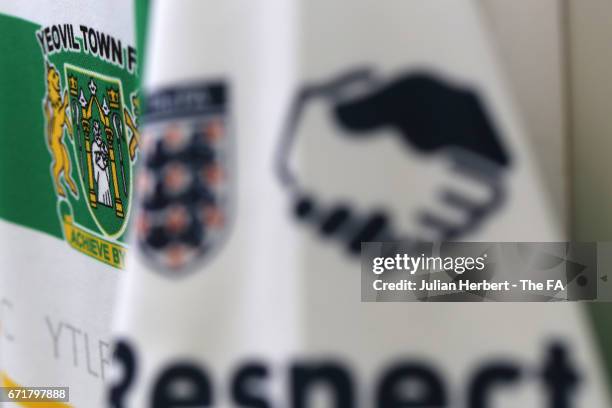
(184, 182)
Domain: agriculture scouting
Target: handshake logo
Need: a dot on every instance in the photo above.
(430, 120)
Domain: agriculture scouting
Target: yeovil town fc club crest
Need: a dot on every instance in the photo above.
(102, 151)
(93, 137)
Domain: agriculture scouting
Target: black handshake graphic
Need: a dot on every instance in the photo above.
(431, 116)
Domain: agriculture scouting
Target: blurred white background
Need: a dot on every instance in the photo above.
(558, 57)
(531, 38)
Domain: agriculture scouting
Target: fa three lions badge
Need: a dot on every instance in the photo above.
(184, 184)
